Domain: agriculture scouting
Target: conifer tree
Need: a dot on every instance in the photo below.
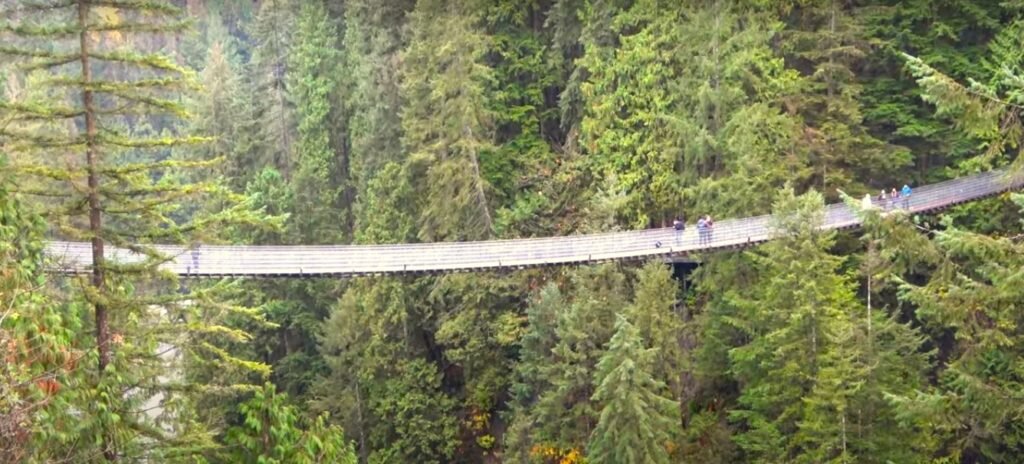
(637, 422)
(320, 212)
(113, 187)
(565, 416)
(224, 111)
(985, 111)
(271, 31)
(445, 123)
(627, 127)
(816, 370)
(530, 381)
(975, 291)
(739, 140)
(373, 347)
(788, 344)
(596, 40)
(373, 42)
(892, 103)
(273, 432)
(826, 44)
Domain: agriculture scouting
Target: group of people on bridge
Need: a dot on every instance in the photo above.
(705, 227)
(890, 200)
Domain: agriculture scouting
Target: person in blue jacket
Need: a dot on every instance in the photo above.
(905, 195)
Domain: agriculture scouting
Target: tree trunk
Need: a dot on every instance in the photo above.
(95, 219)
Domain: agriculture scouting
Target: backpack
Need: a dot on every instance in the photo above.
(678, 224)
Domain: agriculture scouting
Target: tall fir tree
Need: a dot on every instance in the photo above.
(445, 123)
(106, 184)
(322, 203)
(225, 111)
(637, 421)
(271, 31)
(564, 414)
(655, 314)
(375, 342)
(373, 43)
(827, 44)
(951, 36)
(530, 381)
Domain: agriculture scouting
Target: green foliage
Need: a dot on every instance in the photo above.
(811, 373)
(394, 121)
(521, 164)
(445, 124)
(272, 44)
(420, 423)
(986, 112)
(975, 291)
(827, 44)
(654, 315)
(224, 111)
(637, 422)
(273, 432)
(949, 35)
(39, 336)
(113, 110)
(321, 172)
(530, 380)
(627, 128)
(373, 40)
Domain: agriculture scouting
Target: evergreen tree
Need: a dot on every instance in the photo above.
(637, 421)
(445, 123)
(271, 31)
(565, 416)
(585, 30)
(971, 410)
(113, 187)
(321, 161)
(530, 381)
(224, 110)
(812, 377)
(373, 42)
(373, 344)
(785, 355)
(950, 35)
(520, 166)
(653, 314)
(738, 139)
(987, 112)
(827, 44)
(627, 128)
(272, 432)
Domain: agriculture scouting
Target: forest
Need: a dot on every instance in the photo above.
(131, 123)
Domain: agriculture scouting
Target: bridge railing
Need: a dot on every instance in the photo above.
(509, 253)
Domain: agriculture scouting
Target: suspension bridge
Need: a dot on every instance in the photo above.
(444, 257)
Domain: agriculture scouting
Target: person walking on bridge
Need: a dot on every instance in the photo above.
(679, 225)
(709, 227)
(702, 230)
(905, 194)
(893, 196)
